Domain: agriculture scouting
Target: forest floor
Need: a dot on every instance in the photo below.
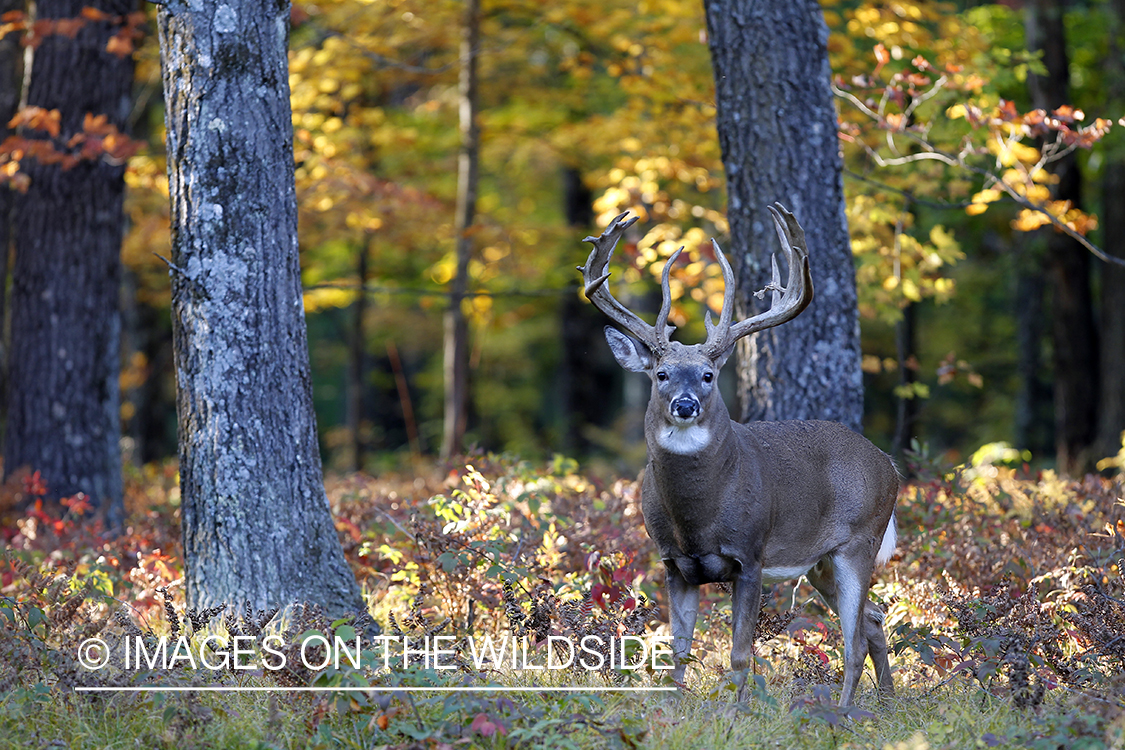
(1005, 608)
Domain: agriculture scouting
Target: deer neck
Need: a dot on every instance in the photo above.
(690, 489)
(689, 459)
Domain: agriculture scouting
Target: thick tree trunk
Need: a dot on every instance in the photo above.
(257, 527)
(777, 129)
(63, 417)
(468, 164)
(1072, 312)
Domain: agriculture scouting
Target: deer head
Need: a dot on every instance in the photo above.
(685, 378)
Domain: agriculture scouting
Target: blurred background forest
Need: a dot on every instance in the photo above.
(587, 109)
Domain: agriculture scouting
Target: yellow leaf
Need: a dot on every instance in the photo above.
(987, 196)
(326, 297)
(1029, 221)
(910, 290)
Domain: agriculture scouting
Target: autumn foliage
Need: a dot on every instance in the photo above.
(1005, 582)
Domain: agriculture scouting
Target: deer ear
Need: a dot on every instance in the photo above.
(629, 353)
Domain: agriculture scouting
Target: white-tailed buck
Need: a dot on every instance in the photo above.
(751, 503)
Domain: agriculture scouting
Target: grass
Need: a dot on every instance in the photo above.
(953, 714)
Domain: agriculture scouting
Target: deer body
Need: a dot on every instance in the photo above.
(756, 503)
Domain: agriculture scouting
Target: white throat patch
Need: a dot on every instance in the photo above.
(684, 440)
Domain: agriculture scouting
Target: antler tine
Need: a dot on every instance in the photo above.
(726, 314)
(662, 329)
(596, 272)
(787, 302)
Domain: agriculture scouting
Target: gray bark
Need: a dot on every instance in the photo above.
(256, 522)
(63, 417)
(777, 129)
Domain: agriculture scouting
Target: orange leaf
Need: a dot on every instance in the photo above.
(93, 14)
(37, 118)
(895, 121)
(1068, 114)
(69, 27)
(43, 27)
(119, 44)
(882, 56)
(97, 124)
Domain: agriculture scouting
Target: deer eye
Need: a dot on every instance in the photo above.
(661, 376)
(708, 377)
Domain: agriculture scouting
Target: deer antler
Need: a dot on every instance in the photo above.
(596, 272)
(788, 301)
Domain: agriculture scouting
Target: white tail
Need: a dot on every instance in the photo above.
(755, 503)
(890, 538)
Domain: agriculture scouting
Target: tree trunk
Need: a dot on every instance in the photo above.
(11, 75)
(777, 129)
(257, 529)
(1034, 426)
(1072, 311)
(11, 84)
(906, 415)
(63, 417)
(1111, 410)
(357, 367)
(456, 326)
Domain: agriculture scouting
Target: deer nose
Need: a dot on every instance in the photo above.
(685, 407)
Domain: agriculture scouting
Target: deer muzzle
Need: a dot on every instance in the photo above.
(684, 407)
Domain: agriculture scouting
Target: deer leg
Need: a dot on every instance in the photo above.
(823, 578)
(852, 575)
(877, 647)
(683, 606)
(744, 614)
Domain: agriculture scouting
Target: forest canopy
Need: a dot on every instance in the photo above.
(586, 110)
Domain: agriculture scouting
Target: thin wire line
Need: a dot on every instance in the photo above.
(374, 688)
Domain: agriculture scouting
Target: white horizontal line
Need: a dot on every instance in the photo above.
(373, 689)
